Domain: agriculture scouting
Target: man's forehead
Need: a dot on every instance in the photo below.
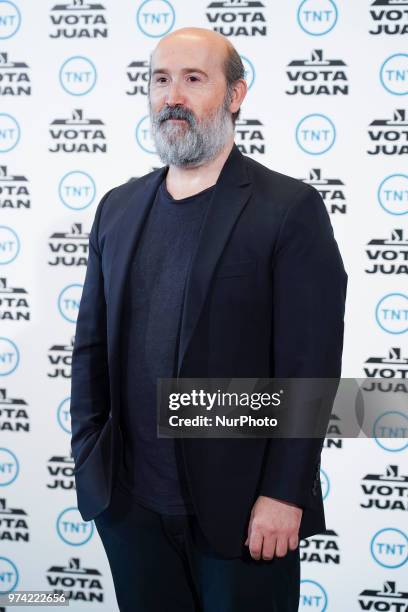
(194, 51)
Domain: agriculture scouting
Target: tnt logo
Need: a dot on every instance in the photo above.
(315, 134)
(143, 135)
(155, 18)
(72, 529)
(10, 19)
(312, 596)
(77, 75)
(394, 74)
(249, 71)
(64, 415)
(389, 547)
(9, 575)
(68, 302)
(325, 483)
(392, 428)
(317, 17)
(9, 467)
(9, 356)
(9, 244)
(393, 194)
(77, 190)
(391, 313)
(9, 132)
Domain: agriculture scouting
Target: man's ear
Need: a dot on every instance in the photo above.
(239, 91)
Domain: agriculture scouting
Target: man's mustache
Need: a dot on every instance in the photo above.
(176, 112)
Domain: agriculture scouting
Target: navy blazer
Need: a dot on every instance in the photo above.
(265, 297)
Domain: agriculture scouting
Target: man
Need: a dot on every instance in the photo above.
(212, 266)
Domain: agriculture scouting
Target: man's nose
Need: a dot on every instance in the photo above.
(174, 94)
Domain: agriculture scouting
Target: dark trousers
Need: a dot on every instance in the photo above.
(163, 563)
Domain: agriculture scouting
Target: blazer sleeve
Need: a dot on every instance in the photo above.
(309, 292)
(90, 399)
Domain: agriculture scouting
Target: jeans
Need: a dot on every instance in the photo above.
(163, 563)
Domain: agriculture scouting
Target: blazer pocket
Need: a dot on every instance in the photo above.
(92, 442)
(236, 268)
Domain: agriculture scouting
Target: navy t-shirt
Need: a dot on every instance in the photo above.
(152, 469)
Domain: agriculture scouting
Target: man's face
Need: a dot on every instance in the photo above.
(188, 101)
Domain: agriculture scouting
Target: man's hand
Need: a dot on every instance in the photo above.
(273, 528)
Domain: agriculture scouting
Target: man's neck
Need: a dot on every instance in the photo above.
(183, 182)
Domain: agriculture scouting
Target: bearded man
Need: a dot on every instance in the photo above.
(211, 266)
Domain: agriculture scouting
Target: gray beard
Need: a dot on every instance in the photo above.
(190, 144)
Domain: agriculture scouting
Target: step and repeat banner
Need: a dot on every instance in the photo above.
(328, 104)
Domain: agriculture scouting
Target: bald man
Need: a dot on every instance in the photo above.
(211, 266)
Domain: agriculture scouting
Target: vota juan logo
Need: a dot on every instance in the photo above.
(389, 17)
(77, 134)
(392, 365)
(237, 17)
(388, 255)
(69, 249)
(317, 76)
(60, 360)
(13, 524)
(14, 416)
(331, 190)
(137, 74)
(14, 303)
(389, 136)
(14, 77)
(388, 598)
(14, 190)
(387, 491)
(322, 549)
(249, 136)
(82, 583)
(78, 19)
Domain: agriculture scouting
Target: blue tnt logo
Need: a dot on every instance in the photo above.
(155, 17)
(320, 16)
(317, 20)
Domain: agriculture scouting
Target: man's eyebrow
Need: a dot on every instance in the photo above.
(185, 70)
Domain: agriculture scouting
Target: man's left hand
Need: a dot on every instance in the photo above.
(273, 528)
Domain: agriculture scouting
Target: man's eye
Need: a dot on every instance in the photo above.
(194, 78)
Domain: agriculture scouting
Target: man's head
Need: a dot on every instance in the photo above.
(196, 87)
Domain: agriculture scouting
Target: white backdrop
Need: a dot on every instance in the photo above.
(327, 104)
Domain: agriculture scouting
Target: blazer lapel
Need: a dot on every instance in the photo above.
(230, 196)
